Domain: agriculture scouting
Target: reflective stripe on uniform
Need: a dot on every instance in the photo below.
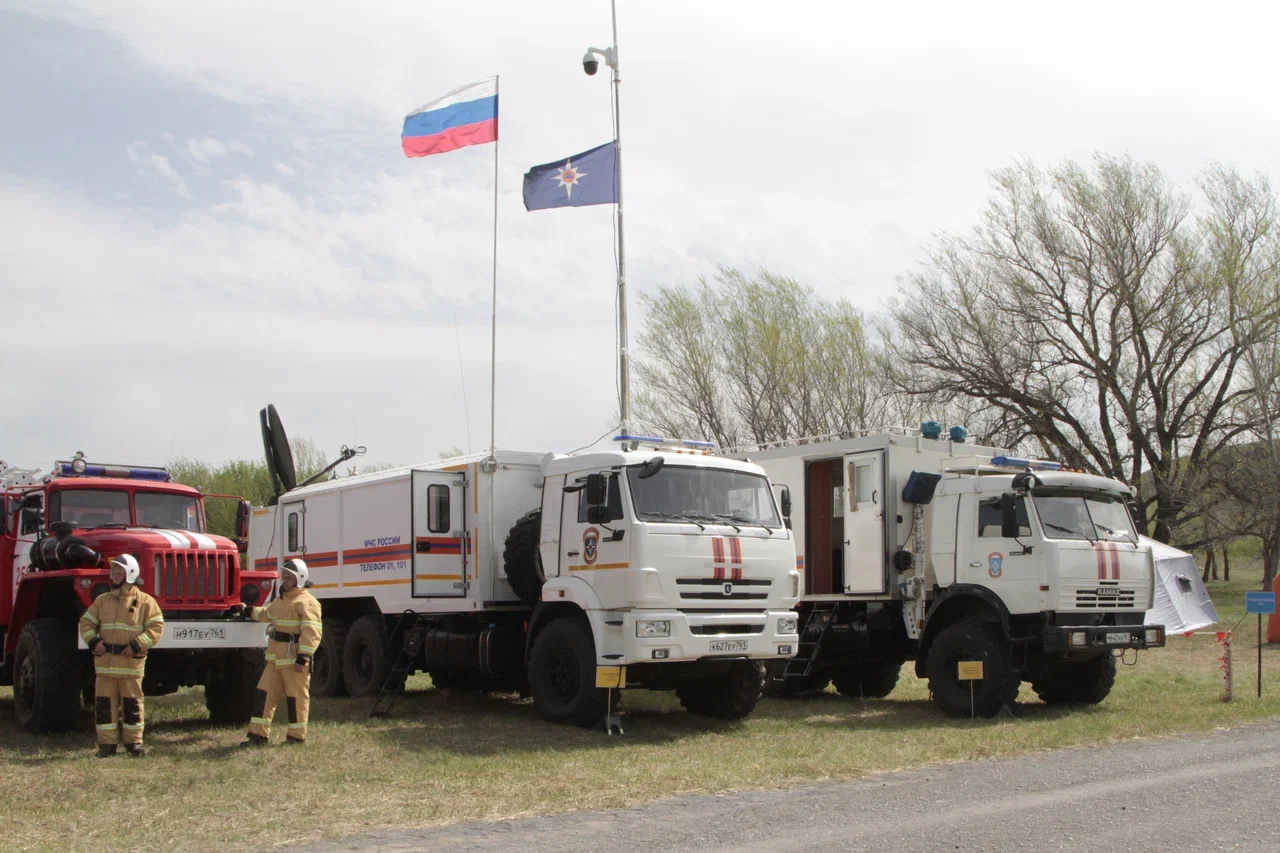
(90, 617)
(297, 725)
(117, 670)
(144, 641)
(134, 727)
(290, 622)
(120, 626)
(311, 650)
(155, 619)
(319, 625)
(284, 662)
(260, 721)
(106, 727)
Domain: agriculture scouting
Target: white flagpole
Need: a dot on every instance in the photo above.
(493, 342)
(624, 364)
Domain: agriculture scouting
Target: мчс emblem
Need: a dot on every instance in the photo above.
(590, 545)
(995, 564)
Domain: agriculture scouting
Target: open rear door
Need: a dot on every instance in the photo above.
(439, 534)
(864, 548)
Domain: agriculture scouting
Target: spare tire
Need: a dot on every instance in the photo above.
(522, 559)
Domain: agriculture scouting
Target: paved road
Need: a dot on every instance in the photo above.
(1214, 792)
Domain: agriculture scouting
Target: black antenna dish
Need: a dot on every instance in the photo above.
(280, 449)
(266, 450)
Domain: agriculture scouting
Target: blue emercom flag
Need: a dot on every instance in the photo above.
(580, 180)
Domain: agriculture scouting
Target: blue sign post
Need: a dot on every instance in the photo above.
(1260, 603)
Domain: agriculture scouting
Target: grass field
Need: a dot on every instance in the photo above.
(448, 758)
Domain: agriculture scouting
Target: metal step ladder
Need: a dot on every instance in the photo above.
(412, 629)
(807, 651)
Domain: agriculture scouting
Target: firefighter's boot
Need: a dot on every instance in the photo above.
(137, 750)
(106, 750)
(254, 740)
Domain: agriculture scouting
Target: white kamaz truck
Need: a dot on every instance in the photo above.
(648, 565)
(916, 546)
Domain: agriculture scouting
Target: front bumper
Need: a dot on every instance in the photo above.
(720, 634)
(1084, 639)
(208, 634)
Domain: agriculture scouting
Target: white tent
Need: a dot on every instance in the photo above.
(1181, 602)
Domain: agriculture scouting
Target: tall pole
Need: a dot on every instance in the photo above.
(493, 361)
(493, 336)
(624, 364)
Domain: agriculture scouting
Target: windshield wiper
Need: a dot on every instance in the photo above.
(111, 524)
(677, 517)
(1125, 533)
(1067, 530)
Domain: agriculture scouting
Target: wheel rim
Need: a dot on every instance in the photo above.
(563, 674)
(24, 687)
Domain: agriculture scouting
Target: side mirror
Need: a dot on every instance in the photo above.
(1009, 515)
(243, 512)
(595, 489)
(598, 515)
(785, 501)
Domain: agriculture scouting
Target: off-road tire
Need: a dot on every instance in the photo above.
(730, 695)
(522, 559)
(229, 698)
(366, 656)
(562, 675)
(868, 680)
(1085, 682)
(326, 667)
(46, 676)
(971, 641)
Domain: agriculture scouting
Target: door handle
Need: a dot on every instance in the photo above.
(975, 565)
(874, 492)
(571, 553)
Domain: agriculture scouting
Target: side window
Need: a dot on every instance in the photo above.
(989, 518)
(613, 499)
(438, 509)
(293, 532)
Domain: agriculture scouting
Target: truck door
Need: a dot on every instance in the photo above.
(586, 547)
(295, 522)
(864, 548)
(439, 534)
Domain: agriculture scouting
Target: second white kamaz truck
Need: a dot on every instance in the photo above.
(925, 548)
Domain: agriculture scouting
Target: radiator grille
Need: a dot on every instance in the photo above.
(191, 577)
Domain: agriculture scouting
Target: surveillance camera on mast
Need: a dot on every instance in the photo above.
(591, 64)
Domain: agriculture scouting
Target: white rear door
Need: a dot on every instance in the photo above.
(864, 548)
(439, 534)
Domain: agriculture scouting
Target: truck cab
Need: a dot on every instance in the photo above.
(61, 529)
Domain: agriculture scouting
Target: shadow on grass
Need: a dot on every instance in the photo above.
(471, 724)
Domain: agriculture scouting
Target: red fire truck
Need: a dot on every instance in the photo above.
(60, 529)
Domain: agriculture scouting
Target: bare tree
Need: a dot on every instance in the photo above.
(1091, 314)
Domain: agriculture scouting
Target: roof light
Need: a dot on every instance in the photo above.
(689, 442)
(79, 468)
(958, 434)
(1032, 464)
(647, 439)
(931, 429)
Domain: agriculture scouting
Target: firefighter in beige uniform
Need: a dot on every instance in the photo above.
(295, 634)
(120, 627)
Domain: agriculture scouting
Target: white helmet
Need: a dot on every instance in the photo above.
(299, 570)
(130, 566)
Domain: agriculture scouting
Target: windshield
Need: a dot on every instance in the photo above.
(87, 508)
(174, 512)
(705, 494)
(1079, 517)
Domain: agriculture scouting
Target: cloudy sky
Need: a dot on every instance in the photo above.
(204, 207)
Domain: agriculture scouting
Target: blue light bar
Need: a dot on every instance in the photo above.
(931, 429)
(158, 475)
(958, 434)
(651, 439)
(689, 442)
(1034, 464)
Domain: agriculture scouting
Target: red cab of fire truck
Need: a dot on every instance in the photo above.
(59, 531)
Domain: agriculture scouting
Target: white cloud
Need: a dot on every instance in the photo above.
(285, 169)
(155, 165)
(208, 149)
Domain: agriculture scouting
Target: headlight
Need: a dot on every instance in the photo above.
(1153, 636)
(787, 625)
(653, 629)
(249, 593)
(1079, 638)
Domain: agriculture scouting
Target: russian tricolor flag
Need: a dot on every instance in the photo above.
(465, 116)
